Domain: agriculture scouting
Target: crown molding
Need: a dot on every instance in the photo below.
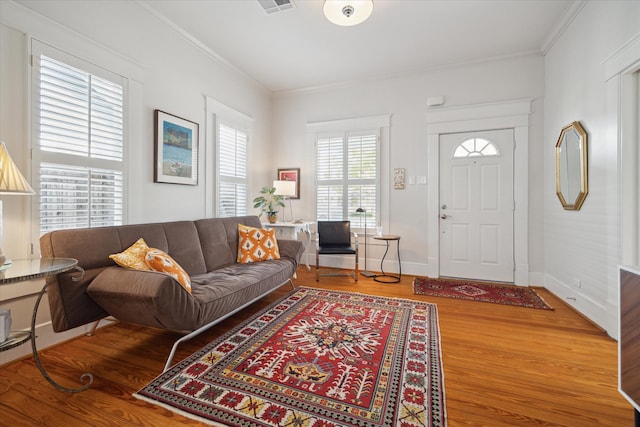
(563, 23)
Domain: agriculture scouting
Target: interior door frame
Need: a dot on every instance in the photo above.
(482, 117)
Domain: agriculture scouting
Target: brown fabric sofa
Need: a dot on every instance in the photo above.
(206, 249)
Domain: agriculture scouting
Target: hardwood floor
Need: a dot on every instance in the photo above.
(503, 366)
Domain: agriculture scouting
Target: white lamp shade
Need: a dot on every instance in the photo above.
(347, 12)
(11, 180)
(284, 188)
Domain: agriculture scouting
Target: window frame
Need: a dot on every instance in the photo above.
(462, 151)
(347, 182)
(379, 123)
(218, 113)
(39, 156)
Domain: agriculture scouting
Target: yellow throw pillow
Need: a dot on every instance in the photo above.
(256, 244)
(158, 260)
(133, 256)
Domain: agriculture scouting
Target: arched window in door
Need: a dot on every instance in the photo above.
(476, 147)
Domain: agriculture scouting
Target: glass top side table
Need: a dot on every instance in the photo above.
(29, 269)
(21, 270)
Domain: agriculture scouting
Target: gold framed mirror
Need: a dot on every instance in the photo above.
(571, 166)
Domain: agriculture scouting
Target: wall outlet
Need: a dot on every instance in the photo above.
(577, 283)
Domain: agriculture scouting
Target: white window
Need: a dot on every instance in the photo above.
(229, 135)
(232, 171)
(78, 142)
(476, 147)
(347, 176)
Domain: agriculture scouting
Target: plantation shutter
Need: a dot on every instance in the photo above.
(362, 161)
(329, 182)
(347, 176)
(79, 145)
(232, 171)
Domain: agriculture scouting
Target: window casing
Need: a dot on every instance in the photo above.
(78, 141)
(347, 177)
(228, 138)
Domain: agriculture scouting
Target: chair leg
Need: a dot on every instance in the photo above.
(353, 273)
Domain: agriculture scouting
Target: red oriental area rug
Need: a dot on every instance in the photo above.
(479, 291)
(316, 358)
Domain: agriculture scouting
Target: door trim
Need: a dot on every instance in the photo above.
(481, 117)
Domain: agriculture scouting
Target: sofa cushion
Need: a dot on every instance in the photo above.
(219, 239)
(158, 260)
(133, 257)
(154, 299)
(256, 244)
(145, 298)
(178, 239)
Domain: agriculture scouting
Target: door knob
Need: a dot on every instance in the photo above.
(444, 216)
(444, 206)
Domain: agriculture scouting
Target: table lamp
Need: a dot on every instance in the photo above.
(11, 182)
(364, 272)
(286, 189)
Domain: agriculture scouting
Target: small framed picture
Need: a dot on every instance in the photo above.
(398, 178)
(291, 174)
(176, 149)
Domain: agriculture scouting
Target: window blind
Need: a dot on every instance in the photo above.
(81, 147)
(347, 177)
(232, 171)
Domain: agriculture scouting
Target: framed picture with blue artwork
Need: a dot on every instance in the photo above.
(176, 149)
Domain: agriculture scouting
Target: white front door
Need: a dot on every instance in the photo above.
(476, 205)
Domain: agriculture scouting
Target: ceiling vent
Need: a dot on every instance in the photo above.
(274, 6)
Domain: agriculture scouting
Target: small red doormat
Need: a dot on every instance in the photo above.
(479, 291)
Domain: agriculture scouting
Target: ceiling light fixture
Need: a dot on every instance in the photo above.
(347, 12)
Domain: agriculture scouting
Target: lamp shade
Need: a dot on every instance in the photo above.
(347, 12)
(284, 188)
(11, 180)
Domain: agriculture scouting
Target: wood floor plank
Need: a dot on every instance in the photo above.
(503, 366)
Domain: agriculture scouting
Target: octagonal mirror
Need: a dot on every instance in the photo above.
(571, 166)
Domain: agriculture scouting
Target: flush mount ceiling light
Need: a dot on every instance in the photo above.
(347, 12)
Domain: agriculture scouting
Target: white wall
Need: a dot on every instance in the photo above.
(584, 245)
(168, 73)
(405, 98)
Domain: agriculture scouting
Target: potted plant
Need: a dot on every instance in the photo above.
(268, 203)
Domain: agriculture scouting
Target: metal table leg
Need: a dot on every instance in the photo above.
(386, 277)
(86, 378)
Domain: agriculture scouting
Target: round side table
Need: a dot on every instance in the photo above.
(386, 277)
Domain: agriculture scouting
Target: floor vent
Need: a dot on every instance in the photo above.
(274, 6)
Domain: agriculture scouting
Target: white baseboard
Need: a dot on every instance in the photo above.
(46, 337)
(390, 266)
(584, 304)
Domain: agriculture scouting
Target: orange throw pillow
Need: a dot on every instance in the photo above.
(133, 256)
(256, 244)
(158, 260)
